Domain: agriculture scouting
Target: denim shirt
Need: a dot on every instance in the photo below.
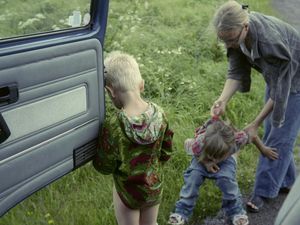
(275, 48)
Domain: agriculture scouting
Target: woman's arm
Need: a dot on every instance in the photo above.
(229, 89)
(251, 129)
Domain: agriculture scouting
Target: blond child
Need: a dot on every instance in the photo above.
(135, 142)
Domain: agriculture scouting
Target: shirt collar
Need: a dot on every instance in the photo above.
(253, 34)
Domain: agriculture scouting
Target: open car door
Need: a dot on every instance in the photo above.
(289, 211)
(51, 92)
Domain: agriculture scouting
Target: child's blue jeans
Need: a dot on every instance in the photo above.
(225, 179)
(271, 175)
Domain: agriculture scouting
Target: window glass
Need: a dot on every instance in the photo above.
(24, 17)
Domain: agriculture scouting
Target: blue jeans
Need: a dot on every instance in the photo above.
(225, 179)
(271, 175)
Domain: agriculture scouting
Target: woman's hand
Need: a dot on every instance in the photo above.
(230, 87)
(218, 108)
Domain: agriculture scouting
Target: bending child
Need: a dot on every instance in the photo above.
(213, 150)
(135, 142)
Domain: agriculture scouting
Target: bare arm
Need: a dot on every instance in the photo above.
(229, 89)
(268, 107)
(271, 153)
(251, 129)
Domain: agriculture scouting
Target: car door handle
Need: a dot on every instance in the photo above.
(9, 94)
(4, 130)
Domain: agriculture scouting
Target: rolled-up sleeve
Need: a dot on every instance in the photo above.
(239, 69)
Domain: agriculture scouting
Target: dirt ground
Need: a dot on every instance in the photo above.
(290, 12)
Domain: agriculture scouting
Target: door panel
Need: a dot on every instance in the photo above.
(55, 121)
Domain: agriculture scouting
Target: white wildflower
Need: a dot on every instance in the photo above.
(40, 16)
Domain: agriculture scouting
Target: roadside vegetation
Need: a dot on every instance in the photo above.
(184, 68)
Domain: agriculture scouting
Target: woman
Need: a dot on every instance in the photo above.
(272, 47)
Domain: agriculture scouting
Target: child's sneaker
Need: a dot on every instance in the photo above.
(240, 219)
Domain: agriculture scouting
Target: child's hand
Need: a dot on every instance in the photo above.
(251, 130)
(269, 152)
(211, 167)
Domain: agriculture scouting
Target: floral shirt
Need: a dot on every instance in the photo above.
(133, 149)
(193, 146)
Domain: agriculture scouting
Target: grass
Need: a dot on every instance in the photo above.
(29, 17)
(184, 70)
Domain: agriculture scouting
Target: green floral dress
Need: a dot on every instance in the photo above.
(133, 149)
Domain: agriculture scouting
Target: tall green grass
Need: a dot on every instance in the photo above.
(184, 70)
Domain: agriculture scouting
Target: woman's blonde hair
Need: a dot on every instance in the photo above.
(219, 140)
(122, 72)
(230, 16)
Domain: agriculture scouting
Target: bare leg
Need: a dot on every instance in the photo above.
(124, 215)
(149, 215)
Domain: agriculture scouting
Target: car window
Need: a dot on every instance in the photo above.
(19, 17)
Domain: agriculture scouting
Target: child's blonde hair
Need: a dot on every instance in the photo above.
(230, 16)
(219, 140)
(122, 72)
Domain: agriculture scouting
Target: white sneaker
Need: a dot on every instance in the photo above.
(176, 219)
